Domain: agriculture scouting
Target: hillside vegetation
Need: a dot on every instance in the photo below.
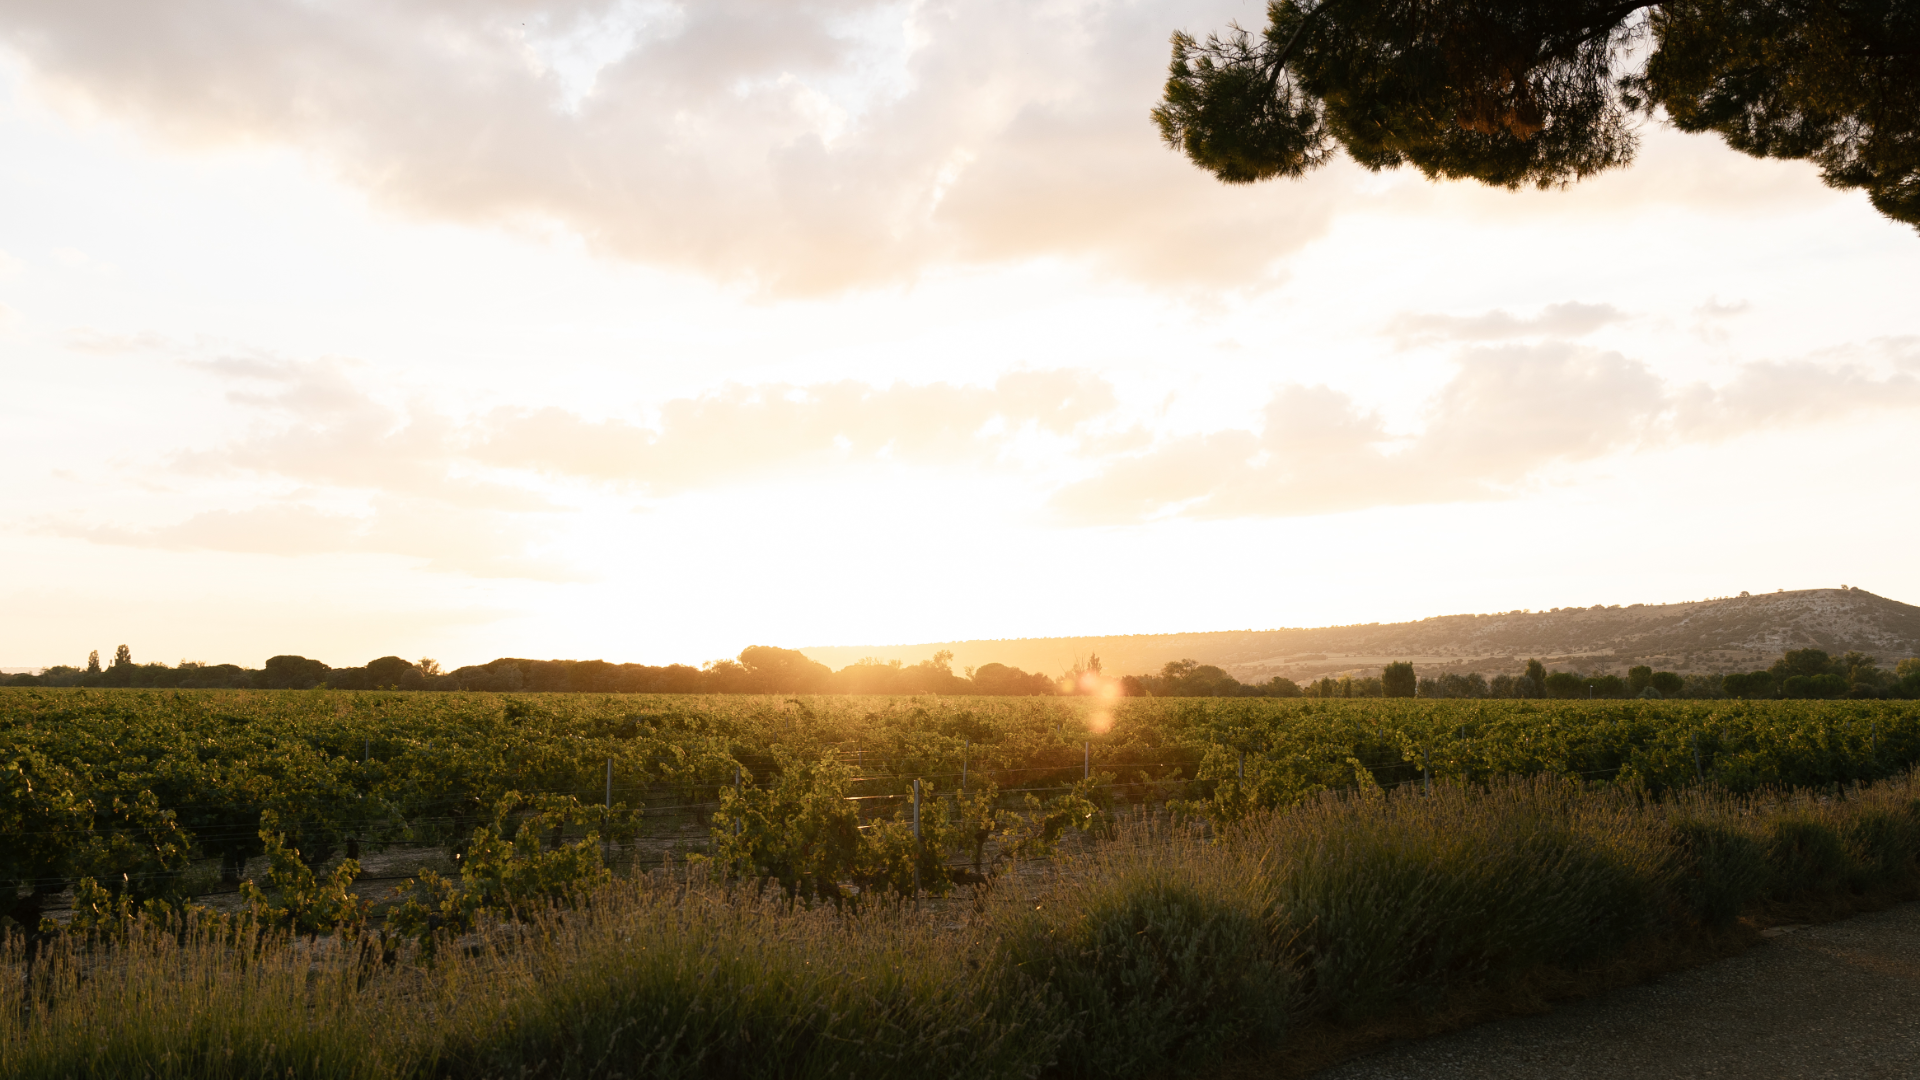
(1739, 633)
(1599, 648)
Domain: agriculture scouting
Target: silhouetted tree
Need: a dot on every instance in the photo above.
(1825, 685)
(1606, 686)
(786, 671)
(1189, 678)
(1565, 684)
(1282, 687)
(1908, 673)
(291, 673)
(1398, 680)
(392, 672)
(1802, 662)
(1754, 684)
(1513, 92)
(1001, 679)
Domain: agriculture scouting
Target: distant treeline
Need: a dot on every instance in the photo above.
(765, 669)
(1799, 673)
(760, 669)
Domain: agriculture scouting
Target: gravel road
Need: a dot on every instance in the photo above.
(1839, 1000)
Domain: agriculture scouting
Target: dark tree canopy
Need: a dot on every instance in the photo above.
(1546, 92)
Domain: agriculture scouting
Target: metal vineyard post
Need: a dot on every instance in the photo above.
(916, 841)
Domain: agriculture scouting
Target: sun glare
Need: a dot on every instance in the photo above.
(1104, 692)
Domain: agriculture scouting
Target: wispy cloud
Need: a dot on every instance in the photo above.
(1569, 320)
(742, 431)
(1715, 308)
(1508, 416)
(483, 494)
(475, 543)
(1784, 395)
(479, 495)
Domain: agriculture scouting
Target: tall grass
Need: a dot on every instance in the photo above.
(1393, 903)
(162, 1003)
(712, 982)
(1162, 950)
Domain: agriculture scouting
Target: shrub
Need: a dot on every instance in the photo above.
(1719, 871)
(184, 1001)
(1160, 950)
(1565, 684)
(1813, 686)
(1753, 684)
(740, 984)
(1882, 842)
(1163, 962)
(1396, 901)
(1805, 857)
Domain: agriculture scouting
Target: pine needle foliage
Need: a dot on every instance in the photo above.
(1547, 92)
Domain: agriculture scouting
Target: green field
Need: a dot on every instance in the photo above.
(143, 790)
(731, 886)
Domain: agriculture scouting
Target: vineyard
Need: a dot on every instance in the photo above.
(408, 886)
(142, 796)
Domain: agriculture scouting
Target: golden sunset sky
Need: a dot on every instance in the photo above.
(648, 331)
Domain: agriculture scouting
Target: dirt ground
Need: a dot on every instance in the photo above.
(1837, 1000)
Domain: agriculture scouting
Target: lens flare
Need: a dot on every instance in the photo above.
(1105, 692)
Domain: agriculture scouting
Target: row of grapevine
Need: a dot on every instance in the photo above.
(133, 788)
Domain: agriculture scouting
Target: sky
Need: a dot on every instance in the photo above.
(649, 331)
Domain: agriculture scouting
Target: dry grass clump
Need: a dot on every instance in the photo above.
(1394, 903)
(1160, 951)
(165, 1001)
(719, 982)
(1164, 950)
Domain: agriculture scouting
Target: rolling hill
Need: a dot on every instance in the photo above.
(1736, 633)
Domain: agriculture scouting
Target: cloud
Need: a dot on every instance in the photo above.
(474, 543)
(1568, 320)
(482, 495)
(271, 530)
(319, 425)
(803, 146)
(1509, 415)
(322, 427)
(469, 542)
(485, 495)
(1775, 395)
(1714, 308)
(1506, 413)
(744, 431)
(1509, 409)
(103, 343)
